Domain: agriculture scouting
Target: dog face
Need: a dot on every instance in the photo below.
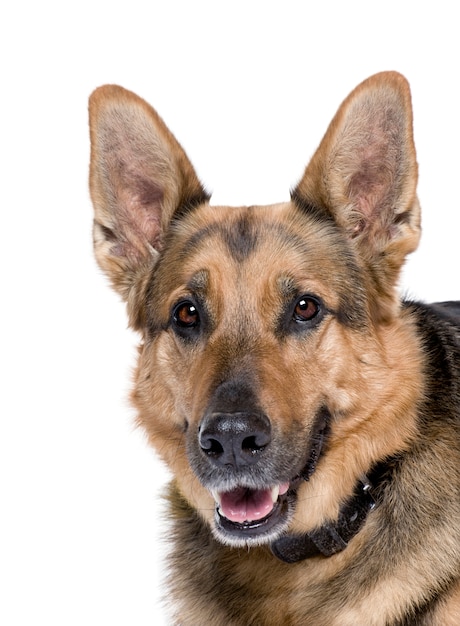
(248, 360)
(262, 363)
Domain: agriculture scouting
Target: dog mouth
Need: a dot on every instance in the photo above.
(244, 513)
(249, 506)
(246, 516)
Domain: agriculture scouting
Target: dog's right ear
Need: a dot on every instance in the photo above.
(139, 177)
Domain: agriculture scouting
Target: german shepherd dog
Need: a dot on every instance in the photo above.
(310, 417)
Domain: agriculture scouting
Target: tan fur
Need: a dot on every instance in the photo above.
(343, 237)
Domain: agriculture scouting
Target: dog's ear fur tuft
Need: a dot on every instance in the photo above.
(139, 177)
(364, 174)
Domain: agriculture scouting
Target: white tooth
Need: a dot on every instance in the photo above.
(275, 493)
(216, 496)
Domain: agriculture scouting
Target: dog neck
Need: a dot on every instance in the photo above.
(333, 536)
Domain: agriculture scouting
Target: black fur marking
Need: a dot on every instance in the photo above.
(194, 242)
(449, 311)
(439, 328)
(241, 238)
(320, 214)
(237, 394)
(189, 204)
(320, 433)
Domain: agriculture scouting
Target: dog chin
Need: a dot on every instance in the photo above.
(246, 517)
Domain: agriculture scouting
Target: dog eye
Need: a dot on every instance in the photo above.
(185, 315)
(306, 309)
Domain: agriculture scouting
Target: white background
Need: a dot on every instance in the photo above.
(248, 88)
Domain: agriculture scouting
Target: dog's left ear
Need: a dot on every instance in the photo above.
(364, 174)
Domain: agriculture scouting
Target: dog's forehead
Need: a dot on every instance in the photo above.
(257, 238)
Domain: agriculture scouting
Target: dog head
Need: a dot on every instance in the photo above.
(264, 360)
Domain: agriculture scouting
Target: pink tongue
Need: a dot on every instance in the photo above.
(245, 505)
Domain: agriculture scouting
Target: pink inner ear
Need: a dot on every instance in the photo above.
(137, 204)
(146, 222)
(371, 185)
(142, 200)
(138, 222)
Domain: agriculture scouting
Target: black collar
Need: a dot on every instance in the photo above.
(334, 536)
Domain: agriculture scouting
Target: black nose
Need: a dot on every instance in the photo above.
(235, 439)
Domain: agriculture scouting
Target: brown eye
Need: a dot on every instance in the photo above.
(306, 309)
(185, 315)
